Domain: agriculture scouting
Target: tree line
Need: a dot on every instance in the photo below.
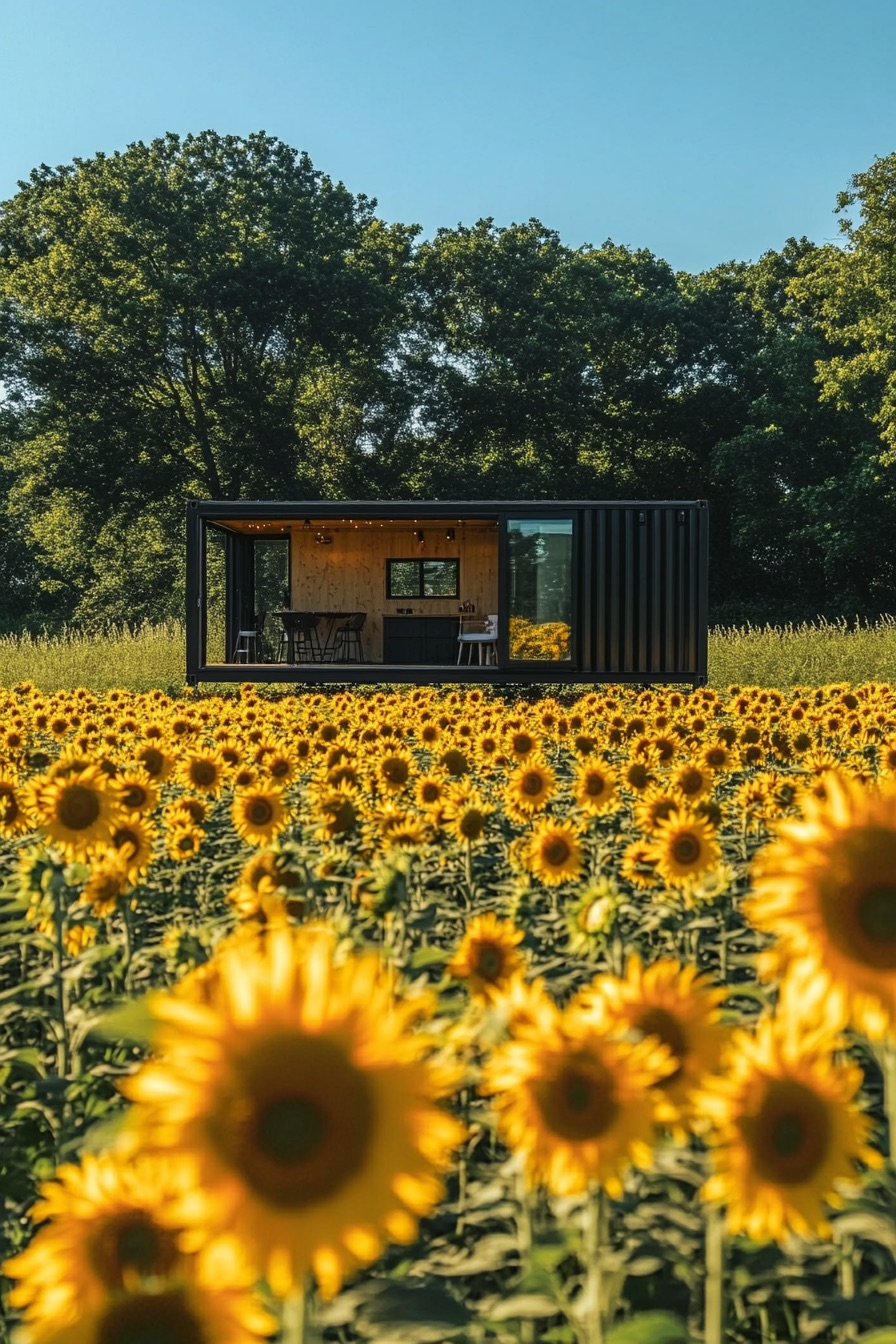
(213, 317)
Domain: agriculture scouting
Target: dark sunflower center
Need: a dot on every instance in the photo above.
(472, 823)
(876, 913)
(153, 760)
(431, 793)
(131, 1241)
(295, 1120)
(580, 1103)
(555, 851)
(789, 1137)
(691, 781)
(128, 838)
(290, 1129)
(79, 807)
(134, 797)
(686, 849)
(395, 771)
(151, 1318)
(489, 961)
(259, 812)
(203, 772)
(523, 744)
(532, 783)
(660, 1022)
(595, 785)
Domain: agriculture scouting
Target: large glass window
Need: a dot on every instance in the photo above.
(540, 589)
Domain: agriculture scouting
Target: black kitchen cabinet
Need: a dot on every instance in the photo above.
(410, 640)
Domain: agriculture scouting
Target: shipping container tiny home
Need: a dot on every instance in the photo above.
(561, 591)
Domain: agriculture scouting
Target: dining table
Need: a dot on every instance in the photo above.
(327, 646)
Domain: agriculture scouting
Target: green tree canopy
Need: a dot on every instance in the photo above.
(208, 317)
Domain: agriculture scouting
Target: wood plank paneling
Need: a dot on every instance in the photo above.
(350, 574)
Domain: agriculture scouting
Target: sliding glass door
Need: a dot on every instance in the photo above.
(540, 597)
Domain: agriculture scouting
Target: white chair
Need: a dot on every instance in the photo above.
(485, 640)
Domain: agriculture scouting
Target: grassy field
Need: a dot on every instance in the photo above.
(813, 653)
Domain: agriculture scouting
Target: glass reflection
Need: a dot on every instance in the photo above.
(540, 582)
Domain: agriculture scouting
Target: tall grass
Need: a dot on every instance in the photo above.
(141, 659)
(811, 654)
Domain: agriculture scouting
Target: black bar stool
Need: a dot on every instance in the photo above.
(349, 648)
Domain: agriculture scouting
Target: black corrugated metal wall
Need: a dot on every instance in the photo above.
(648, 581)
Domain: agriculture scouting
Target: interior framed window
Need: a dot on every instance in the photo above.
(423, 578)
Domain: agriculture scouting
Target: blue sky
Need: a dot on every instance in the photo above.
(704, 131)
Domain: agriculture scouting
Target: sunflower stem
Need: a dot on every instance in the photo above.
(888, 1066)
(292, 1318)
(524, 1237)
(62, 1045)
(595, 1235)
(128, 940)
(847, 1276)
(714, 1290)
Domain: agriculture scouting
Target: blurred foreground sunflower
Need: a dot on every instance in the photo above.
(787, 1132)
(303, 1105)
(100, 1235)
(826, 888)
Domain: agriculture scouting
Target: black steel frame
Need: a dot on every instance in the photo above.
(640, 590)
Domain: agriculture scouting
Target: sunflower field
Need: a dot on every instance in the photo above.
(425, 1015)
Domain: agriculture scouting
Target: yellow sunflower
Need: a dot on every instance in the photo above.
(573, 1103)
(337, 809)
(679, 1007)
(826, 887)
(554, 852)
(786, 1132)
(184, 842)
(595, 789)
(259, 814)
(531, 787)
(209, 1297)
(108, 881)
(487, 957)
(684, 847)
(76, 812)
(136, 790)
(133, 838)
(304, 1106)
(14, 819)
(205, 771)
(100, 1235)
(638, 865)
(692, 782)
(466, 813)
(392, 771)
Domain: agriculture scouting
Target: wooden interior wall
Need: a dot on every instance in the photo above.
(350, 574)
